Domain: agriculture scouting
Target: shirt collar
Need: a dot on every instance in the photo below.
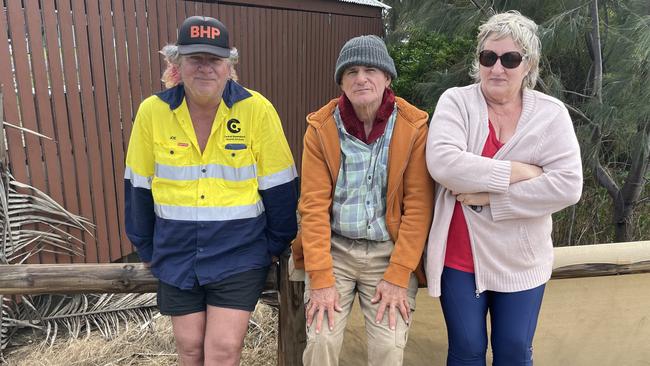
(232, 94)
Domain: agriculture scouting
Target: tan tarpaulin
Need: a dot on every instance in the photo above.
(597, 321)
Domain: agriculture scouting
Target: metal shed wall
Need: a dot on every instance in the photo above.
(77, 70)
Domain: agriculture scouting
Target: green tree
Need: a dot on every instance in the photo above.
(427, 64)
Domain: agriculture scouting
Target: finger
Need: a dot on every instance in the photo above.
(404, 310)
(330, 317)
(380, 312)
(310, 313)
(337, 306)
(319, 319)
(377, 297)
(454, 193)
(392, 317)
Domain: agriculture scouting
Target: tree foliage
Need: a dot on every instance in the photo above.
(608, 96)
(426, 62)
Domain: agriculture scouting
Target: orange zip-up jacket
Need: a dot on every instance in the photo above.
(409, 201)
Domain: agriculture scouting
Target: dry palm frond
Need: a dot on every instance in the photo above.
(111, 314)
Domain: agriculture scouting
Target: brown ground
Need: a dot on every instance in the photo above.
(598, 321)
(603, 321)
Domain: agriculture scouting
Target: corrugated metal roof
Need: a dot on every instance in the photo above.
(374, 3)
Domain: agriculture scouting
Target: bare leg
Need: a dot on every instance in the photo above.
(189, 331)
(224, 336)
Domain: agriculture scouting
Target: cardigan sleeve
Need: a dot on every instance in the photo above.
(558, 153)
(448, 160)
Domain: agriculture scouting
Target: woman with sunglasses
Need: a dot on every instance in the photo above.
(505, 158)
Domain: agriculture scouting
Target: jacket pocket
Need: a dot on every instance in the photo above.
(525, 245)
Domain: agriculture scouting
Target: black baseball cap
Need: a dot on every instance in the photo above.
(199, 34)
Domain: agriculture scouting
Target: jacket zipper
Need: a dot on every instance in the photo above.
(477, 291)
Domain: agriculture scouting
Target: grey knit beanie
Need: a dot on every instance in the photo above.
(364, 51)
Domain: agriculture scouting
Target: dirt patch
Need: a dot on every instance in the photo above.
(153, 345)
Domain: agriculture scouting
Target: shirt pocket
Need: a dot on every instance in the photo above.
(173, 153)
(239, 164)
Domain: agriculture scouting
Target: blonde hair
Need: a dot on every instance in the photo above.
(523, 32)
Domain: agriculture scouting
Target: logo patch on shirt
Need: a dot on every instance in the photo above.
(233, 125)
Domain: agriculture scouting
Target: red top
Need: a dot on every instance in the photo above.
(354, 126)
(459, 250)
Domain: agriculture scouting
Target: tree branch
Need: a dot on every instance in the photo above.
(598, 57)
(635, 180)
(481, 8)
(604, 179)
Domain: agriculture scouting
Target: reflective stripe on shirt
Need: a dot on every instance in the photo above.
(205, 171)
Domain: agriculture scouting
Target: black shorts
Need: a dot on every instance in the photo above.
(239, 291)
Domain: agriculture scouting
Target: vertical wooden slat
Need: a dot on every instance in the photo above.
(171, 20)
(296, 56)
(127, 113)
(275, 60)
(235, 36)
(161, 7)
(143, 44)
(75, 121)
(278, 60)
(17, 157)
(24, 84)
(43, 108)
(304, 84)
(60, 115)
(247, 60)
(24, 78)
(190, 9)
(125, 119)
(253, 24)
(180, 12)
(98, 136)
(110, 130)
(134, 63)
(157, 63)
(83, 33)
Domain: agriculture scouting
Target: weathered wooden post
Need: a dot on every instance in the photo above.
(291, 330)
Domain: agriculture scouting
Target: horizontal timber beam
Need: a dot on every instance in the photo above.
(570, 262)
(85, 278)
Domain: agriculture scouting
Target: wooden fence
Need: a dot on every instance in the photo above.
(77, 70)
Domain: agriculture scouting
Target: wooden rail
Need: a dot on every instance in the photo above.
(570, 262)
(602, 260)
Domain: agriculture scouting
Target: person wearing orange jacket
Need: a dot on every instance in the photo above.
(366, 207)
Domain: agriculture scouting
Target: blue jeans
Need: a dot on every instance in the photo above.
(513, 318)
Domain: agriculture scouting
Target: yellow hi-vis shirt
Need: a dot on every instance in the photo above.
(203, 216)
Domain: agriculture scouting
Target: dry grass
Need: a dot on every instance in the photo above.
(152, 346)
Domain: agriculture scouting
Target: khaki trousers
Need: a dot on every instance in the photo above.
(359, 265)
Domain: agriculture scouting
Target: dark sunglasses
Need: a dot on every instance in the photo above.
(509, 60)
